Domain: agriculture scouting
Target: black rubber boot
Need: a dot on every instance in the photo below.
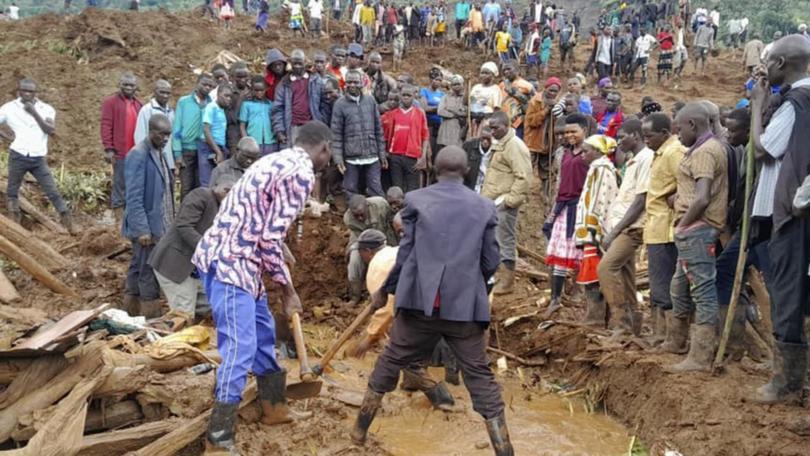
(557, 285)
(368, 410)
(499, 436)
(221, 429)
(440, 397)
(596, 314)
(789, 372)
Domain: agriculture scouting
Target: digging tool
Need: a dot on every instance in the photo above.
(309, 386)
(327, 357)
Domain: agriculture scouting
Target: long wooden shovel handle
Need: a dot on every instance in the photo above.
(344, 336)
(303, 361)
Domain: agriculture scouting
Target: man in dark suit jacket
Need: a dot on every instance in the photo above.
(445, 258)
(149, 212)
(477, 149)
(171, 259)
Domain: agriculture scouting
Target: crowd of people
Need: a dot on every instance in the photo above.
(435, 179)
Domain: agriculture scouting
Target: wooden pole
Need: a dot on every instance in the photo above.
(740, 272)
(8, 293)
(31, 266)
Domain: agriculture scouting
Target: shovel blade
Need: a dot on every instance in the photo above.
(303, 390)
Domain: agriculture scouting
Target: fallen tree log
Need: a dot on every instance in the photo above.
(38, 373)
(123, 381)
(41, 251)
(8, 293)
(88, 360)
(523, 250)
(31, 266)
(126, 439)
(63, 431)
(189, 431)
(11, 369)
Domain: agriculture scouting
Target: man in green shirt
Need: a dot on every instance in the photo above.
(187, 130)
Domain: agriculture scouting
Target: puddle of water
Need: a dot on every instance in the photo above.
(538, 424)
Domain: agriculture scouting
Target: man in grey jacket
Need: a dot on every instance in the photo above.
(358, 145)
(704, 42)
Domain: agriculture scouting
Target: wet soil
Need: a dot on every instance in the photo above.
(77, 61)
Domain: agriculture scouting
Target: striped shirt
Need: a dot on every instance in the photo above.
(247, 235)
(775, 140)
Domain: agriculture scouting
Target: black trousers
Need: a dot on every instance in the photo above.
(402, 173)
(141, 280)
(661, 270)
(189, 174)
(413, 338)
(789, 250)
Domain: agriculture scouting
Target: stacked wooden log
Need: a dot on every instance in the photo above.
(96, 399)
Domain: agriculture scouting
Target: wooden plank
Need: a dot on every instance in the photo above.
(114, 416)
(525, 251)
(31, 266)
(38, 373)
(65, 325)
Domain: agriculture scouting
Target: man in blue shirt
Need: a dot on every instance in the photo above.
(212, 149)
(462, 15)
(254, 118)
(492, 12)
(187, 131)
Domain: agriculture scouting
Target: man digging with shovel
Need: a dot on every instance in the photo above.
(244, 242)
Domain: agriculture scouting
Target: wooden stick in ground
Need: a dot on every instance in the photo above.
(525, 251)
(516, 358)
(327, 357)
(41, 251)
(32, 267)
(741, 259)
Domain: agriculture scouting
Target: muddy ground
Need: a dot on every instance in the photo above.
(77, 61)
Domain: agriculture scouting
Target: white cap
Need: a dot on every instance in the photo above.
(802, 26)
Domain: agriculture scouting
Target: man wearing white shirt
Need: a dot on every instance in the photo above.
(159, 104)
(315, 15)
(13, 11)
(644, 45)
(32, 122)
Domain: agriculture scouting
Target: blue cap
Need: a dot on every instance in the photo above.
(355, 50)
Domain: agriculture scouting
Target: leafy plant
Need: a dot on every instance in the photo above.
(86, 190)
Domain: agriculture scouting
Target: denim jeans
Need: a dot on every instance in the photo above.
(351, 179)
(693, 287)
(19, 165)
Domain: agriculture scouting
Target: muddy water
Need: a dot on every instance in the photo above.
(539, 424)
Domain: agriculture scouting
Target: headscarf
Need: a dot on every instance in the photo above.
(491, 67)
(456, 79)
(603, 82)
(553, 81)
(602, 143)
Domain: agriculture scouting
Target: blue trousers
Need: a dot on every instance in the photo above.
(246, 336)
(205, 164)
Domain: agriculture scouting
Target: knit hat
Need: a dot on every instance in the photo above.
(604, 82)
(370, 239)
(651, 107)
(491, 67)
(456, 79)
(602, 143)
(553, 81)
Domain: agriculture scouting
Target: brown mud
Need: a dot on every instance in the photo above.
(77, 61)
